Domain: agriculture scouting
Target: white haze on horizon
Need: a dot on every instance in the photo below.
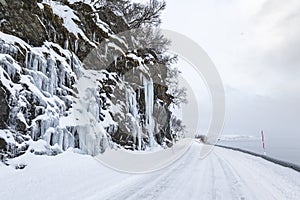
(255, 45)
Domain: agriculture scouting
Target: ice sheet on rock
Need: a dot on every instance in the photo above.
(40, 88)
(149, 103)
(132, 115)
(86, 112)
(8, 71)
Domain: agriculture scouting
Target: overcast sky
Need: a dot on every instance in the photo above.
(255, 45)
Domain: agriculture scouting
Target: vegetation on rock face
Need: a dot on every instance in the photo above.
(44, 67)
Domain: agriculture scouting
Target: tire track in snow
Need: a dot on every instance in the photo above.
(147, 183)
(249, 180)
(224, 174)
(235, 181)
(213, 180)
(258, 177)
(164, 181)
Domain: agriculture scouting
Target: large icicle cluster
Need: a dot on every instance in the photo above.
(41, 95)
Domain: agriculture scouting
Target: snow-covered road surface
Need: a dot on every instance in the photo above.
(223, 174)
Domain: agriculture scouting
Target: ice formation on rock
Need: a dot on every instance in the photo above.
(48, 93)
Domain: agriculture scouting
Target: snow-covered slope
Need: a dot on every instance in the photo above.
(223, 174)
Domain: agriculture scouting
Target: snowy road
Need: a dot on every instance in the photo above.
(224, 174)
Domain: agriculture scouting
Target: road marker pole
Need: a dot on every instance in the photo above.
(263, 141)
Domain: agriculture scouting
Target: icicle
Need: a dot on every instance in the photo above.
(149, 102)
(132, 113)
(94, 36)
(76, 46)
(66, 44)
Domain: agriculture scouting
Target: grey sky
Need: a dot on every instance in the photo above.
(255, 45)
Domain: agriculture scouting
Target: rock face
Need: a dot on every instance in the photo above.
(21, 18)
(49, 92)
(3, 144)
(4, 108)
